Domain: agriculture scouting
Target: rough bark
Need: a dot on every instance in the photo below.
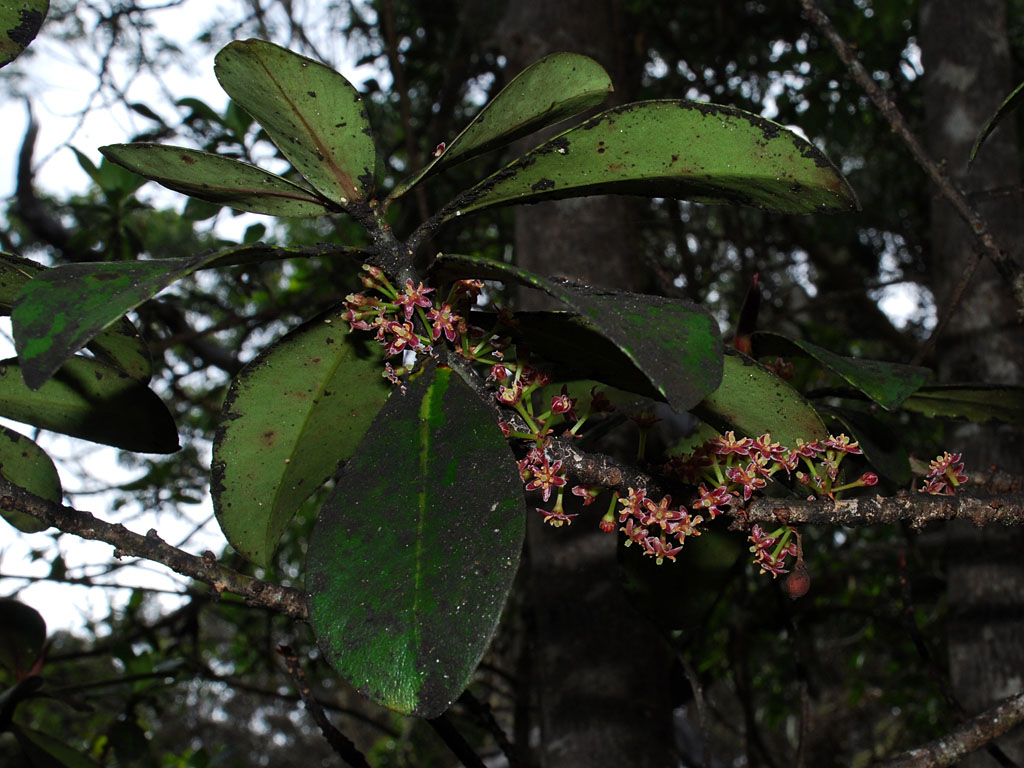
(967, 75)
(602, 673)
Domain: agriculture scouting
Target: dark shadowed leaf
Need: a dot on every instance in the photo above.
(26, 465)
(752, 400)
(290, 418)
(47, 751)
(888, 384)
(1011, 103)
(91, 400)
(681, 149)
(217, 179)
(22, 636)
(20, 21)
(885, 454)
(414, 553)
(552, 89)
(674, 344)
(312, 113)
(119, 344)
(973, 402)
(59, 311)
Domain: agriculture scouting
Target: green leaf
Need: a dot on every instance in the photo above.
(290, 418)
(91, 400)
(888, 384)
(682, 149)
(26, 465)
(217, 179)
(1011, 103)
(675, 344)
(22, 636)
(415, 551)
(20, 21)
(61, 309)
(552, 89)
(46, 751)
(752, 400)
(312, 113)
(973, 402)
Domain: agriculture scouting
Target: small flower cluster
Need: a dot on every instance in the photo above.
(945, 474)
(657, 526)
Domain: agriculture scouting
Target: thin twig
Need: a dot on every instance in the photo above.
(340, 743)
(456, 742)
(698, 701)
(1007, 267)
(286, 600)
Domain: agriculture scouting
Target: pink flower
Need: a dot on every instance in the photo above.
(657, 548)
(545, 477)
(842, 444)
(443, 322)
(587, 494)
(712, 500)
(556, 517)
(749, 477)
(412, 298)
(729, 444)
(661, 514)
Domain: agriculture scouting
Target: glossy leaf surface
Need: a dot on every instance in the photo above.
(674, 344)
(312, 113)
(888, 384)
(414, 554)
(26, 465)
(62, 309)
(688, 150)
(217, 179)
(752, 400)
(552, 89)
(20, 21)
(290, 417)
(91, 400)
(974, 402)
(22, 636)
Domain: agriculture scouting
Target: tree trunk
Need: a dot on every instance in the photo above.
(967, 75)
(601, 672)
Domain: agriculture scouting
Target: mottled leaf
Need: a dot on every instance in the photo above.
(217, 179)
(752, 400)
(973, 402)
(22, 636)
(26, 465)
(888, 384)
(62, 309)
(1011, 103)
(414, 553)
(675, 344)
(552, 89)
(20, 21)
(291, 416)
(682, 149)
(312, 113)
(91, 400)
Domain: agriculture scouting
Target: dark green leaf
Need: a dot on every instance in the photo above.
(414, 553)
(682, 149)
(752, 401)
(290, 418)
(974, 402)
(91, 400)
(1011, 103)
(888, 384)
(20, 21)
(26, 465)
(217, 179)
(312, 113)
(62, 309)
(46, 751)
(681, 350)
(887, 455)
(552, 89)
(22, 635)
